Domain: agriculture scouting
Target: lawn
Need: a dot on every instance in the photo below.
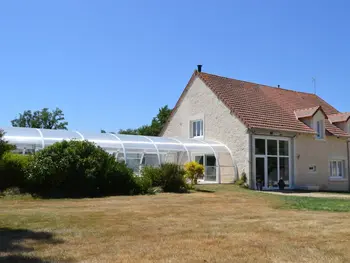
(219, 224)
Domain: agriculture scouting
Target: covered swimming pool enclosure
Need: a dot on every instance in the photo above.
(136, 150)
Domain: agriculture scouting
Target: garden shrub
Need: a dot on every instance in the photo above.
(13, 168)
(78, 169)
(169, 177)
(242, 181)
(193, 171)
(154, 174)
(173, 178)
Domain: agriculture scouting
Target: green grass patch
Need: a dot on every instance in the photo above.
(315, 203)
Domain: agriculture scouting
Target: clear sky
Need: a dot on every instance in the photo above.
(112, 64)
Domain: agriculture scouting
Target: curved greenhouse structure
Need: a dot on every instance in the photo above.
(136, 150)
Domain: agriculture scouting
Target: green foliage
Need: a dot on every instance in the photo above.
(144, 185)
(4, 145)
(242, 181)
(154, 174)
(155, 127)
(169, 177)
(193, 171)
(13, 168)
(44, 118)
(173, 178)
(79, 169)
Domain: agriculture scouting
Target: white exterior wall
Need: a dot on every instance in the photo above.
(219, 124)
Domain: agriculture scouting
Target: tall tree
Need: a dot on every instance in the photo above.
(4, 145)
(44, 119)
(156, 125)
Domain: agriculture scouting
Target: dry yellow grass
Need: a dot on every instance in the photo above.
(226, 226)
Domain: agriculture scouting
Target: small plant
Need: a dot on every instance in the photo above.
(154, 174)
(193, 171)
(168, 177)
(242, 181)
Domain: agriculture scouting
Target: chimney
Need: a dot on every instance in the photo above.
(199, 68)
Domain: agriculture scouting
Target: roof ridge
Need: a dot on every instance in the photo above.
(254, 83)
(309, 108)
(339, 113)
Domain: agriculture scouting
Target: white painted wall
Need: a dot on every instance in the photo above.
(219, 124)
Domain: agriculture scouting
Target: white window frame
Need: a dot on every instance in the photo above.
(337, 172)
(320, 129)
(199, 125)
(278, 156)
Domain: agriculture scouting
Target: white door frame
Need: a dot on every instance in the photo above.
(266, 155)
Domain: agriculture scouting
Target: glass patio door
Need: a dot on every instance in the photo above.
(272, 161)
(209, 163)
(260, 171)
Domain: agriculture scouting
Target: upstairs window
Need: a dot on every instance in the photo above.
(320, 129)
(196, 128)
(337, 168)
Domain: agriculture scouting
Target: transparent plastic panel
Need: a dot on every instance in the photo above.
(218, 147)
(167, 144)
(53, 136)
(196, 146)
(183, 158)
(133, 161)
(137, 144)
(104, 140)
(150, 159)
(23, 138)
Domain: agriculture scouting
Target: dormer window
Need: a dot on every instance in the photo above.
(320, 129)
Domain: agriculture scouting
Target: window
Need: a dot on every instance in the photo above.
(272, 160)
(197, 128)
(320, 129)
(337, 168)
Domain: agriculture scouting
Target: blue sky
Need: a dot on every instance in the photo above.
(112, 64)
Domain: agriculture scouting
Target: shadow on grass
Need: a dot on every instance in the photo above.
(12, 247)
(204, 190)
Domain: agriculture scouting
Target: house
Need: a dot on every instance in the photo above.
(272, 133)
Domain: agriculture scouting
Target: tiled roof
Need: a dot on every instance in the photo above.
(339, 117)
(308, 112)
(260, 106)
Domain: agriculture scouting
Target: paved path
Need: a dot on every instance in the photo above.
(311, 194)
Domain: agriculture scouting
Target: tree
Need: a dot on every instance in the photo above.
(44, 119)
(4, 145)
(156, 125)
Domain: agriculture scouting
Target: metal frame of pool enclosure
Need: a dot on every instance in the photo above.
(136, 150)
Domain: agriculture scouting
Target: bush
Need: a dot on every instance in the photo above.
(193, 171)
(242, 181)
(13, 168)
(169, 177)
(4, 145)
(173, 178)
(154, 174)
(144, 184)
(79, 169)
